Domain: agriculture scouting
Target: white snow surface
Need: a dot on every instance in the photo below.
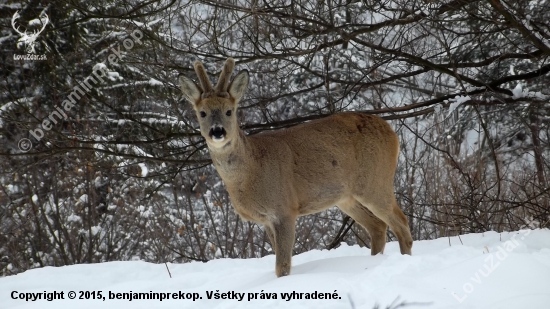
(456, 101)
(488, 270)
(518, 92)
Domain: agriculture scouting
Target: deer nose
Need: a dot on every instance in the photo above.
(217, 133)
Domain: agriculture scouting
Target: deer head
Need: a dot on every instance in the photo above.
(215, 106)
(29, 39)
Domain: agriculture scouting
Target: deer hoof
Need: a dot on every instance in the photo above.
(282, 270)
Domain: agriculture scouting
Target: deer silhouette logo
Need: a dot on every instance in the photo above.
(30, 39)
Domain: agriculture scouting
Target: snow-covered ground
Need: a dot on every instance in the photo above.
(489, 270)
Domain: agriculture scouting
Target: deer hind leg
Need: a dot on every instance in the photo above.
(376, 227)
(283, 243)
(386, 209)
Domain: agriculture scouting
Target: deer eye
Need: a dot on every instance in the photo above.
(228, 113)
(203, 114)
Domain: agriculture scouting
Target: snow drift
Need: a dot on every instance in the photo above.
(488, 270)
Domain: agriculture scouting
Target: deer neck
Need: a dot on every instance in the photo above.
(232, 160)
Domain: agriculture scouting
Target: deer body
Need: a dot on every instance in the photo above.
(347, 160)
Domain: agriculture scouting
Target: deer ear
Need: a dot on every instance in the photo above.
(238, 85)
(190, 90)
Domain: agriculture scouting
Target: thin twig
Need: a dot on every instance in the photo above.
(166, 264)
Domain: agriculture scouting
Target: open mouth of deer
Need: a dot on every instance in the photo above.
(217, 134)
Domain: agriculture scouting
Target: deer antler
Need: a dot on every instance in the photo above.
(225, 76)
(203, 78)
(44, 24)
(13, 19)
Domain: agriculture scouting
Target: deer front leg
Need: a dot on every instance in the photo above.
(271, 236)
(283, 243)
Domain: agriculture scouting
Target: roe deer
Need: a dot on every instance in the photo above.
(346, 159)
